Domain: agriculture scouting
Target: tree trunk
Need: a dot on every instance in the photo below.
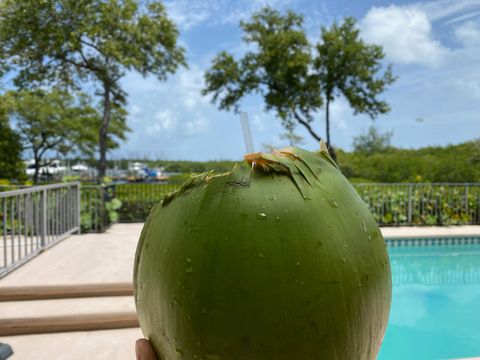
(327, 119)
(36, 164)
(307, 126)
(331, 151)
(103, 135)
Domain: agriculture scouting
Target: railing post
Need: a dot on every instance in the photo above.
(409, 214)
(43, 219)
(79, 208)
(466, 199)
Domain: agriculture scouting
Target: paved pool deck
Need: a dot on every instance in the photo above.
(101, 259)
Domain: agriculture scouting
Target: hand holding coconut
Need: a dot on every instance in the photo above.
(282, 261)
(144, 350)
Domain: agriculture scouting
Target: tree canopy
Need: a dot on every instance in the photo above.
(294, 82)
(278, 69)
(94, 41)
(373, 141)
(452, 163)
(49, 123)
(11, 164)
(346, 65)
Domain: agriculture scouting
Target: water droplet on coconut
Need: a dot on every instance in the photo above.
(277, 219)
(333, 203)
(261, 216)
(189, 260)
(272, 198)
(189, 269)
(260, 255)
(359, 284)
(298, 263)
(212, 357)
(364, 226)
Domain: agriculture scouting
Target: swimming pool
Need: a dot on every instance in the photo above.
(436, 300)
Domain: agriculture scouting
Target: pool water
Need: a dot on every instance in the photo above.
(436, 303)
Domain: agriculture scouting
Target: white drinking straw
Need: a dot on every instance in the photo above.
(247, 135)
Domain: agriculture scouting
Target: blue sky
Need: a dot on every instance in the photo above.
(434, 47)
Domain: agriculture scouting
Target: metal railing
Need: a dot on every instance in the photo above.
(93, 214)
(422, 203)
(392, 204)
(35, 218)
(139, 198)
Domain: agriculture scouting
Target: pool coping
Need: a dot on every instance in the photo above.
(431, 235)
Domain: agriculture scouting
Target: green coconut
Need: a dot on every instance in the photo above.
(280, 260)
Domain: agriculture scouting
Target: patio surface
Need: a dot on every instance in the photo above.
(80, 259)
(100, 259)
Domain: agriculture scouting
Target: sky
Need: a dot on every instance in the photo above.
(433, 46)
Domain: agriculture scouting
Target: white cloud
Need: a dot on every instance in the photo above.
(191, 83)
(470, 86)
(134, 110)
(405, 33)
(164, 121)
(260, 121)
(463, 17)
(440, 9)
(195, 126)
(188, 14)
(468, 34)
(167, 122)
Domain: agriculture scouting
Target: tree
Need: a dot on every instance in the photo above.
(294, 83)
(278, 69)
(88, 143)
(346, 65)
(372, 142)
(292, 138)
(49, 122)
(11, 164)
(74, 42)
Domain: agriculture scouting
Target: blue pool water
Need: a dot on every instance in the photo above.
(436, 303)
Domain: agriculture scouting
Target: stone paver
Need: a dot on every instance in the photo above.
(97, 305)
(82, 259)
(88, 345)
